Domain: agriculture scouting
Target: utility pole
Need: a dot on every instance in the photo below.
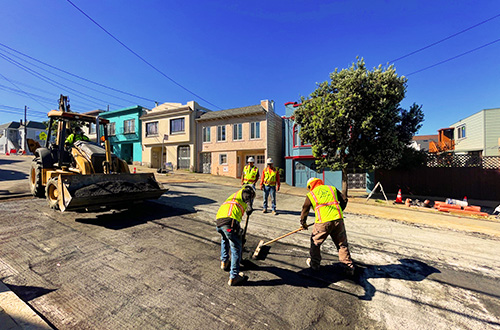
(25, 130)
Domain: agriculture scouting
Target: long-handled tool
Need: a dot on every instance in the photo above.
(243, 237)
(262, 249)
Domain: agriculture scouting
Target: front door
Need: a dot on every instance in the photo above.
(127, 153)
(206, 160)
(183, 158)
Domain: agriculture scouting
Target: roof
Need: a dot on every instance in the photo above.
(235, 112)
(118, 112)
(12, 124)
(36, 124)
(425, 137)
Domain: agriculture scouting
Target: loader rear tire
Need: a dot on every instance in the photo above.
(52, 194)
(35, 179)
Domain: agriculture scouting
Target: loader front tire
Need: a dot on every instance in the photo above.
(52, 194)
(35, 179)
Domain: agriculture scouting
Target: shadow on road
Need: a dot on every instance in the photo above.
(136, 215)
(8, 161)
(12, 175)
(408, 270)
(27, 293)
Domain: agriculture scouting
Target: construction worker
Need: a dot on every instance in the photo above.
(328, 204)
(229, 227)
(250, 173)
(77, 136)
(270, 183)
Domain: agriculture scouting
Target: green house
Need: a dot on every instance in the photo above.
(124, 132)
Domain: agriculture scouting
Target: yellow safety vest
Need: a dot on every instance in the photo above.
(233, 207)
(76, 137)
(325, 202)
(250, 174)
(270, 176)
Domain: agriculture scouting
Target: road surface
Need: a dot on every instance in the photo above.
(156, 266)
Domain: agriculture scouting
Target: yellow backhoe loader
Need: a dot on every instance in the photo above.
(85, 175)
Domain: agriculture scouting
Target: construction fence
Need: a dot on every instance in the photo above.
(448, 176)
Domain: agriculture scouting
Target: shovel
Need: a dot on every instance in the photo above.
(262, 249)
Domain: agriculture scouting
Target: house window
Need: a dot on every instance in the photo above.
(206, 134)
(261, 159)
(152, 129)
(129, 126)
(237, 132)
(223, 159)
(255, 130)
(221, 133)
(461, 131)
(176, 125)
(92, 128)
(111, 129)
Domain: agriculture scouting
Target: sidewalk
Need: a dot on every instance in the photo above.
(357, 204)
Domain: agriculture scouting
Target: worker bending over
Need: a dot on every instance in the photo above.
(250, 173)
(328, 204)
(270, 183)
(229, 227)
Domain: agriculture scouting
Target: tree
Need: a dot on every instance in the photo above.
(355, 120)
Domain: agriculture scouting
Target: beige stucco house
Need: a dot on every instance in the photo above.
(227, 138)
(171, 128)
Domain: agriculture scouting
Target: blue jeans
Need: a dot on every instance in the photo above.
(231, 240)
(270, 190)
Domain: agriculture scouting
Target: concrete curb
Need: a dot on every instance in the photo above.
(16, 314)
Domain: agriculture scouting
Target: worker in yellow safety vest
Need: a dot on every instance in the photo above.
(328, 204)
(250, 173)
(77, 136)
(228, 220)
(270, 183)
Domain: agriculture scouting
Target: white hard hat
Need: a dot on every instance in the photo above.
(269, 161)
(251, 160)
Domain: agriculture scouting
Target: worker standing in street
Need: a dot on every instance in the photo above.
(270, 183)
(250, 173)
(228, 220)
(77, 136)
(328, 204)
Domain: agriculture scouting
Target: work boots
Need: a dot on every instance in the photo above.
(238, 280)
(224, 265)
(311, 265)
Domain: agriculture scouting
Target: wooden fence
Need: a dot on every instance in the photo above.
(453, 182)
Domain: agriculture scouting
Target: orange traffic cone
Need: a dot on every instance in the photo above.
(399, 199)
(135, 171)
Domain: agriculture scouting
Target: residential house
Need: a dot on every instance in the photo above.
(300, 162)
(478, 134)
(124, 131)
(169, 135)
(229, 137)
(12, 138)
(91, 131)
(421, 142)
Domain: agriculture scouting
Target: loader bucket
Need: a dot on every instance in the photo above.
(103, 190)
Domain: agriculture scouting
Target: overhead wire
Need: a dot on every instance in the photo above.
(53, 82)
(454, 57)
(444, 39)
(74, 82)
(140, 57)
(77, 76)
(4, 77)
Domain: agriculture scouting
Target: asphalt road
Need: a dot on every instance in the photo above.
(156, 266)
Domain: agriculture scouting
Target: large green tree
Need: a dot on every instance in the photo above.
(355, 120)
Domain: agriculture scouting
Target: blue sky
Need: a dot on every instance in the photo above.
(236, 53)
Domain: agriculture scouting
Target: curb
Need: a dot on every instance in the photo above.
(16, 314)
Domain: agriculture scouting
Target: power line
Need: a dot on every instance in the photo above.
(21, 113)
(449, 37)
(4, 77)
(52, 81)
(141, 58)
(77, 76)
(74, 82)
(454, 57)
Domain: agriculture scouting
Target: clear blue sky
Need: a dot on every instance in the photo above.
(236, 53)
